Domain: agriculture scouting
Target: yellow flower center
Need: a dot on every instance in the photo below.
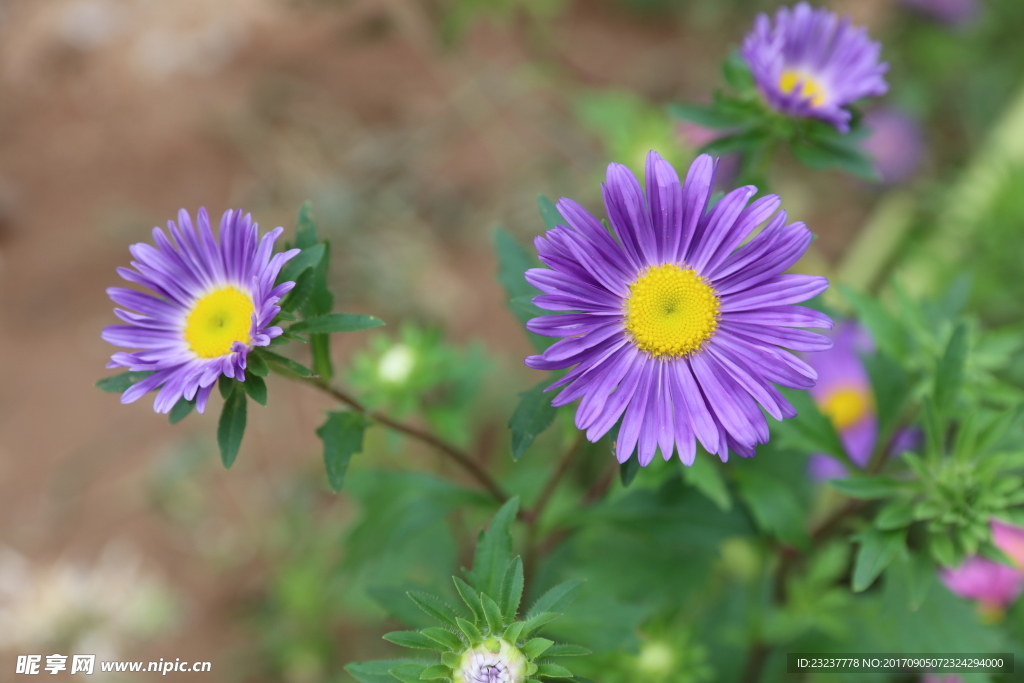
(671, 311)
(846, 406)
(809, 87)
(217, 321)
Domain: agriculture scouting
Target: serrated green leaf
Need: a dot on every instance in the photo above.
(435, 672)
(513, 632)
(375, 672)
(877, 550)
(511, 590)
(285, 366)
(533, 415)
(950, 372)
(556, 599)
(408, 673)
(567, 651)
(553, 671)
(118, 384)
(867, 488)
(535, 647)
(705, 476)
(549, 212)
(342, 436)
(256, 389)
(494, 550)
(231, 426)
(180, 410)
(413, 639)
(470, 597)
(336, 322)
(435, 607)
(444, 637)
(492, 615)
(537, 621)
(470, 630)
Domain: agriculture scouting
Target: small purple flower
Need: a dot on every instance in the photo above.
(810, 63)
(210, 305)
(992, 584)
(950, 12)
(894, 144)
(672, 323)
(843, 393)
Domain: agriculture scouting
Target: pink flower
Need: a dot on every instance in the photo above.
(992, 584)
(1009, 539)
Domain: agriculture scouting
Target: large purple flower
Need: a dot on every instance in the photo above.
(811, 63)
(670, 324)
(210, 305)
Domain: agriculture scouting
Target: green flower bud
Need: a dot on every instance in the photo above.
(494, 661)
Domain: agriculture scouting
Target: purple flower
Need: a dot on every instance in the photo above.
(843, 393)
(992, 584)
(210, 304)
(951, 12)
(810, 63)
(894, 144)
(668, 322)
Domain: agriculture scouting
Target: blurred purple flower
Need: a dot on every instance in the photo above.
(810, 63)
(951, 12)
(894, 144)
(936, 678)
(993, 585)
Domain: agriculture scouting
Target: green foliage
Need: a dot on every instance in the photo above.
(533, 415)
(342, 435)
(231, 426)
(118, 384)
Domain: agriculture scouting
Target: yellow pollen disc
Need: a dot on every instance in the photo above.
(846, 406)
(217, 321)
(809, 87)
(671, 311)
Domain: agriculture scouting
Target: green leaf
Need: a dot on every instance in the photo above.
(305, 260)
(774, 505)
(305, 227)
(822, 154)
(336, 322)
(628, 470)
(435, 672)
(736, 72)
(877, 550)
(118, 384)
(342, 436)
(533, 415)
(181, 410)
(513, 262)
(950, 373)
(225, 385)
(553, 671)
(285, 366)
(300, 293)
(444, 637)
(451, 660)
(256, 389)
(255, 365)
(435, 607)
(492, 615)
(941, 546)
(890, 386)
(557, 598)
(494, 550)
(917, 572)
(375, 672)
(231, 426)
(511, 590)
(810, 430)
(896, 514)
(867, 488)
(537, 621)
(470, 597)
(549, 212)
(408, 673)
(470, 630)
(567, 651)
(413, 639)
(705, 476)
(748, 142)
(514, 632)
(885, 330)
(536, 647)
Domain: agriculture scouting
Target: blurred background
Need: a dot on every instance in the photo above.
(415, 127)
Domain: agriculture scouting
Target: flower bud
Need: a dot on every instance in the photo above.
(494, 661)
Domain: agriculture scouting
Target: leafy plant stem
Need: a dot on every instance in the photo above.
(463, 459)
